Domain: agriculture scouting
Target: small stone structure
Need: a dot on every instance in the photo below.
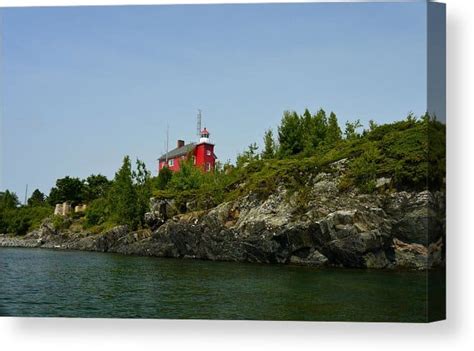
(80, 208)
(62, 209)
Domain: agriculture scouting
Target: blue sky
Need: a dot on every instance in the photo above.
(83, 86)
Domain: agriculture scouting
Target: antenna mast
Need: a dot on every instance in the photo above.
(167, 141)
(26, 194)
(199, 123)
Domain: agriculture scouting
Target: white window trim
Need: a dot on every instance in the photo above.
(171, 162)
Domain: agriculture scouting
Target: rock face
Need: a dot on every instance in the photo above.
(316, 226)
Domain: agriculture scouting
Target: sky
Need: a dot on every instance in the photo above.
(81, 87)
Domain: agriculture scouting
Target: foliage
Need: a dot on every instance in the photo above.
(37, 198)
(188, 177)
(333, 133)
(95, 187)
(248, 155)
(67, 189)
(143, 186)
(164, 177)
(269, 149)
(8, 200)
(22, 219)
(351, 130)
(61, 223)
(123, 198)
(363, 169)
(290, 135)
(97, 212)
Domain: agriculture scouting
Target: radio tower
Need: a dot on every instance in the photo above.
(198, 132)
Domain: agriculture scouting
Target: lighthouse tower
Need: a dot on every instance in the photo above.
(204, 152)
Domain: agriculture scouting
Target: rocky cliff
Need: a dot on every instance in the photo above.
(317, 225)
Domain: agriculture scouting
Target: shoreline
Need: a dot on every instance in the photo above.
(190, 259)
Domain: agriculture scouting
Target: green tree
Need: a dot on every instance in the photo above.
(372, 125)
(333, 133)
(97, 212)
(290, 136)
(248, 155)
(123, 199)
(8, 200)
(37, 198)
(67, 189)
(164, 177)
(269, 145)
(188, 177)
(96, 186)
(351, 129)
(308, 127)
(142, 182)
(320, 127)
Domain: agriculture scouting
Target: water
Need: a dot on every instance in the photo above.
(38, 282)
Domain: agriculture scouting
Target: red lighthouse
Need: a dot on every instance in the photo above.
(202, 154)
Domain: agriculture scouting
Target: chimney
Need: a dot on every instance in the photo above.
(180, 143)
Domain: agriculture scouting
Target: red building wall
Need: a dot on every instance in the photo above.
(204, 154)
(176, 164)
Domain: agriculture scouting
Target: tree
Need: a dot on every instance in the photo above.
(351, 129)
(123, 202)
(96, 186)
(164, 177)
(333, 133)
(8, 200)
(189, 177)
(142, 182)
(308, 129)
(67, 189)
(372, 125)
(290, 136)
(248, 155)
(269, 145)
(320, 128)
(37, 198)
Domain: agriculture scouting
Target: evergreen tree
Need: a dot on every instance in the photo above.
(333, 133)
(163, 178)
(37, 198)
(123, 197)
(308, 129)
(8, 200)
(96, 186)
(351, 129)
(372, 125)
(248, 155)
(142, 180)
(269, 145)
(290, 136)
(67, 189)
(320, 128)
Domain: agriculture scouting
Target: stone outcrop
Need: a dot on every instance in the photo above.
(317, 226)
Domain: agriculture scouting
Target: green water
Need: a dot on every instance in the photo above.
(36, 282)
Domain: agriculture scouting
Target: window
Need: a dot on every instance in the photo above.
(171, 163)
(208, 152)
(194, 160)
(208, 166)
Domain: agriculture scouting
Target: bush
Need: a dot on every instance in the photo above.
(21, 220)
(97, 212)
